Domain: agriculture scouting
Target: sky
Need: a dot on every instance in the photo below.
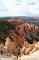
(19, 8)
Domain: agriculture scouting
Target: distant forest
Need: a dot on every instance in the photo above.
(34, 20)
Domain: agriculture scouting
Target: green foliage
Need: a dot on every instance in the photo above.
(35, 37)
(5, 18)
(17, 33)
(5, 26)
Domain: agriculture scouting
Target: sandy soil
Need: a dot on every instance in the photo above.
(33, 56)
(5, 57)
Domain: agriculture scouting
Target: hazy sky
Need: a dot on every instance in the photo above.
(19, 8)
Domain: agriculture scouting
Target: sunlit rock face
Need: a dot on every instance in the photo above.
(10, 47)
(28, 49)
(16, 22)
(1, 48)
(17, 37)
